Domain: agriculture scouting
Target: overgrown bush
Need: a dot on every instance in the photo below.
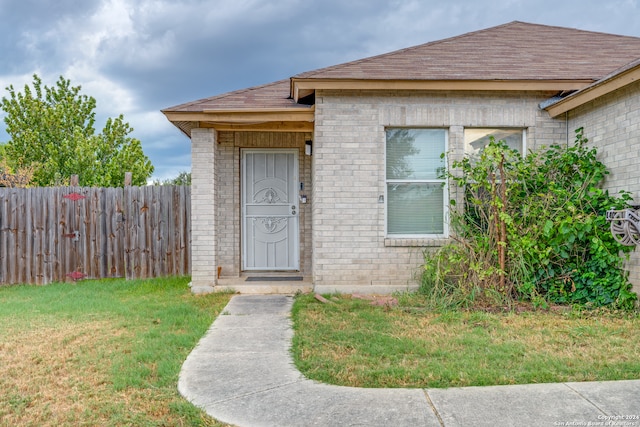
(531, 228)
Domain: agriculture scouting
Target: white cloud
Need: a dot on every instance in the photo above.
(138, 56)
(153, 127)
(18, 81)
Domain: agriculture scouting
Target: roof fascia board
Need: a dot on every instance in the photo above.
(260, 127)
(260, 110)
(301, 86)
(597, 90)
(243, 116)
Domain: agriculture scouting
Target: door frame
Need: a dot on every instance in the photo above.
(295, 200)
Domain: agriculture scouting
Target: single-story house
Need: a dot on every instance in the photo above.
(330, 179)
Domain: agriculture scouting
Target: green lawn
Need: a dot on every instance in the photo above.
(350, 342)
(109, 352)
(102, 352)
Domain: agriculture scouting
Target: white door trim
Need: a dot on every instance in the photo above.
(267, 217)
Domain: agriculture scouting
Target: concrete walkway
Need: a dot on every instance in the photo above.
(242, 373)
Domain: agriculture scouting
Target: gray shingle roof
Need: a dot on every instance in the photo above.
(513, 51)
(516, 51)
(273, 95)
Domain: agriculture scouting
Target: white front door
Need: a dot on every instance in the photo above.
(270, 210)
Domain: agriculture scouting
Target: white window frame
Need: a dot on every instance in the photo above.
(444, 182)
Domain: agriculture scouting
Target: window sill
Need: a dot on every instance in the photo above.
(393, 242)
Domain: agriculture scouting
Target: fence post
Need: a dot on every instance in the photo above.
(128, 177)
(73, 181)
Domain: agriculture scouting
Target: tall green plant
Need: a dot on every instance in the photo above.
(52, 134)
(535, 227)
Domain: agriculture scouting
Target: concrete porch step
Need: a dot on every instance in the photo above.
(272, 285)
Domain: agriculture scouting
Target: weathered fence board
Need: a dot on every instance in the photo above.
(52, 234)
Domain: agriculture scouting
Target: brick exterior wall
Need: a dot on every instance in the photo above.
(203, 208)
(612, 124)
(350, 250)
(342, 227)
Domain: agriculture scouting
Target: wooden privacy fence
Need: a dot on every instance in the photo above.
(51, 234)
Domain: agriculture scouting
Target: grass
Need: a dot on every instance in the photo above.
(109, 352)
(350, 342)
(102, 352)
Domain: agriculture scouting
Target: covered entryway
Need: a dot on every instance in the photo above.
(270, 210)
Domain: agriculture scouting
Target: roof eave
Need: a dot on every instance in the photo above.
(301, 87)
(596, 90)
(259, 119)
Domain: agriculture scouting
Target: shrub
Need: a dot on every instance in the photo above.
(532, 228)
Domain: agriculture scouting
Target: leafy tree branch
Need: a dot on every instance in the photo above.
(52, 132)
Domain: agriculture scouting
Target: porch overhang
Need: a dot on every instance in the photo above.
(266, 120)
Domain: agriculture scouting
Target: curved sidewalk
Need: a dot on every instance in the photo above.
(241, 373)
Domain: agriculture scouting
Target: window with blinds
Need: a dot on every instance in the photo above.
(416, 184)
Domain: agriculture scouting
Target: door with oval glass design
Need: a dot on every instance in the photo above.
(270, 210)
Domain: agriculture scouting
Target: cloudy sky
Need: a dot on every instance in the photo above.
(136, 57)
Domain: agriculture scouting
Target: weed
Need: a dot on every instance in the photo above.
(531, 228)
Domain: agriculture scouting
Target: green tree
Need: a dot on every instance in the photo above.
(183, 178)
(52, 131)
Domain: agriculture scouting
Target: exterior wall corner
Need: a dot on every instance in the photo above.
(203, 209)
